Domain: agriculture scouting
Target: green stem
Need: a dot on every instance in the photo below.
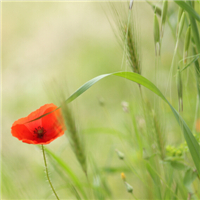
(171, 68)
(47, 172)
(196, 113)
(134, 197)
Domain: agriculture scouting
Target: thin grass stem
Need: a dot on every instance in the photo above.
(134, 197)
(143, 103)
(157, 63)
(172, 65)
(196, 113)
(47, 173)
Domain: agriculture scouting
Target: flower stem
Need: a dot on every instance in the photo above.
(47, 172)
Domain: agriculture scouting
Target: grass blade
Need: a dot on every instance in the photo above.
(195, 33)
(188, 8)
(194, 60)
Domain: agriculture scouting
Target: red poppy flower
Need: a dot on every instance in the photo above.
(40, 131)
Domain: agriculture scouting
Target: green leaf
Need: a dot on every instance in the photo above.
(178, 165)
(188, 8)
(85, 87)
(189, 177)
(69, 172)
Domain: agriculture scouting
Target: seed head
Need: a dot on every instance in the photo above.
(129, 187)
(120, 154)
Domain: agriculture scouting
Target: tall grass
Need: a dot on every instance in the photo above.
(145, 157)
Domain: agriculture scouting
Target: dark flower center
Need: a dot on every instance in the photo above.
(40, 131)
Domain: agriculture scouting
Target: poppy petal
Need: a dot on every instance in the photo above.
(33, 115)
(53, 121)
(41, 111)
(21, 132)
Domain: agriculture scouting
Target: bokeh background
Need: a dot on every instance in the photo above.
(52, 46)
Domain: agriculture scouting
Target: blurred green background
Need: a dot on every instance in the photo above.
(52, 45)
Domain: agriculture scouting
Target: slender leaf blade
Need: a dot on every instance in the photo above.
(189, 64)
(188, 8)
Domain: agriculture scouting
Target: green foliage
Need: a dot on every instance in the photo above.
(138, 137)
(188, 8)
